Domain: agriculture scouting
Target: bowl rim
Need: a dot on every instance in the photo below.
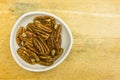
(44, 13)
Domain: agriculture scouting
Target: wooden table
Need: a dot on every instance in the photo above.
(95, 25)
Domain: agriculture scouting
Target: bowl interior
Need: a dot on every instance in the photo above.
(23, 21)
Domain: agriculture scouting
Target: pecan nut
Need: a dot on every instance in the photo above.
(27, 55)
(48, 21)
(20, 31)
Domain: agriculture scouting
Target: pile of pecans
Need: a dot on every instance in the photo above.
(40, 41)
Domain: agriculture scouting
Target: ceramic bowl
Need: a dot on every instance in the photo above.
(67, 41)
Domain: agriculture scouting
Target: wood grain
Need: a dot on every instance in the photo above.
(95, 54)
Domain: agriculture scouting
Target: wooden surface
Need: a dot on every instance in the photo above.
(95, 25)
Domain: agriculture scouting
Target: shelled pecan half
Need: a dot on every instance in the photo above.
(20, 31)
(48, 21)
(27, 55)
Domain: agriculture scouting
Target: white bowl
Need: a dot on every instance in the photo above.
(67, 41)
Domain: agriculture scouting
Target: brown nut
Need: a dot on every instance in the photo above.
(50, 40)
(39, 46)
(44, 57)
(46, 48)
(45, 63)
(47, 58)
(30, 34)
(19, 33)
(41, 33)
(42, 27)
(58, 44)
(29, 27)
(48, 21)
(58, 31)
(51, 60)
(59, 53)
(28, 55)
(29, 44)
(37, 30)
